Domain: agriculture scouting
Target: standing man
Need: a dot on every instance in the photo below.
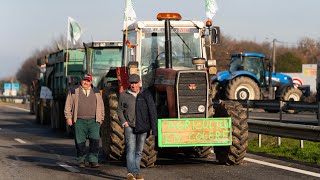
(84, 110)
(137, 112)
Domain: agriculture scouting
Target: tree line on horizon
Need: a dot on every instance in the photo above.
(288, 59)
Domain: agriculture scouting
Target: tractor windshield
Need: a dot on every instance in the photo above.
(253, 65)
(102, 59)
(184, 48)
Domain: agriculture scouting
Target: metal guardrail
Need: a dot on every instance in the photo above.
(296, 131)
(281, 106)
(278, 127)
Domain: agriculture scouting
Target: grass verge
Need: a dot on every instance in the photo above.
(289, 148)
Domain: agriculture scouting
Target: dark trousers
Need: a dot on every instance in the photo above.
(87, 129)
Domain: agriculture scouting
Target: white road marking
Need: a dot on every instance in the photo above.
(20, 141)
(283, 167)
(21, 109)
(67, 167)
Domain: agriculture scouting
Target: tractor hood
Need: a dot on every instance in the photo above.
(221, 76)
(280, 78)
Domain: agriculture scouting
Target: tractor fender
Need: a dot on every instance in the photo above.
(220, 76)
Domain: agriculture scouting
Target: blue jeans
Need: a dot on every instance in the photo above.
(134, 146)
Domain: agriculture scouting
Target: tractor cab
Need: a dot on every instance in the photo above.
(148, 38)
(252, 63)
(101, 58)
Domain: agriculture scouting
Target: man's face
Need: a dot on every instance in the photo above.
(135, 87)
(86, 84)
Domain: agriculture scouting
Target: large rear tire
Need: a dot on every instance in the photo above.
(243, 88)
(234, 154)
(292, 94)
(112, 134)
(215, 91)
(149, 154)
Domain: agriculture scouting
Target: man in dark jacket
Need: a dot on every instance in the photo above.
(136, 111)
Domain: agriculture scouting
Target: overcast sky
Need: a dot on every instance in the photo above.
(28, 25)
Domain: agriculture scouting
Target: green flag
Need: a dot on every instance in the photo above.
(74, 30)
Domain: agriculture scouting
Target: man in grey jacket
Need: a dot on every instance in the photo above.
(127, 114)
(84, 109)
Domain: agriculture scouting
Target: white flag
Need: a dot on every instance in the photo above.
(74, 30)
(129, 14)
(211, 8)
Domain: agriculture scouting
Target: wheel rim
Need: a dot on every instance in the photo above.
(244, 92)
(294, 97)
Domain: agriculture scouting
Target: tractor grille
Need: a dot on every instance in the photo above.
(192, 89)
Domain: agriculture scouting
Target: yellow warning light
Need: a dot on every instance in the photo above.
(169, 16)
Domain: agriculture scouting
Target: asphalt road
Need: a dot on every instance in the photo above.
(32, 151)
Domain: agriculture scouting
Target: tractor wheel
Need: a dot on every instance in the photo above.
(112, 134)
(37, 111)
(53, 114)
(31, 105)
(41, 112)
(292, 94)
(149, 154)
(215, 91)
(234, 154)
(243, 88)
(203, 151)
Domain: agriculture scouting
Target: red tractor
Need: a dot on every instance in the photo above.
(174, 60)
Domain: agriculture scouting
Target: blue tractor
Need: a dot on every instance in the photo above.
(248, 78)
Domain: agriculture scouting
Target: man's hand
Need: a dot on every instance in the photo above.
(69, 121)
(125, 124)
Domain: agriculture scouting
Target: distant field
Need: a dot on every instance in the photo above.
(290, 148)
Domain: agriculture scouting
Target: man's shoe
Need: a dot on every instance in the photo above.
(82, 165)
(139, 177)
(130, 177)
(94, 165)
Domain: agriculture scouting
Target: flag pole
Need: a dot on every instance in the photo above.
(67, 55)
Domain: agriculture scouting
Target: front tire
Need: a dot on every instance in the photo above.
(292, 94)
(234, 154)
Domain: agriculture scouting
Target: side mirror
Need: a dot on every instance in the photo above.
(215, 35)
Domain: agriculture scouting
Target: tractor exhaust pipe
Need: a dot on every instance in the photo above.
(167, 17)
(168, 44)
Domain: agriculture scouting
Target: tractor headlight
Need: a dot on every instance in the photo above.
(184, 109)
(201, 108)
